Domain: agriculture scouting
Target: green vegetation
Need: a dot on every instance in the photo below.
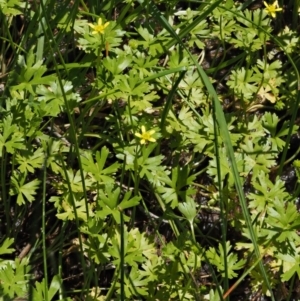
(149, 150)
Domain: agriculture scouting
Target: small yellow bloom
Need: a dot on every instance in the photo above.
(99, 28)
(273, 8)
(146, 135)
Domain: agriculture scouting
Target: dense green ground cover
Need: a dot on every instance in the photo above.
(149, 150)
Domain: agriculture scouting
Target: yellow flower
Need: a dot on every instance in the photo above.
(272, 9)
(99, 28)
(146, 135)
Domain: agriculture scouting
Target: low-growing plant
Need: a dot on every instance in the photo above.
(145, 148)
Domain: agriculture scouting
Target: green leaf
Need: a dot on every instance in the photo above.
(258, 156)
(31, 73)
(284, 218)
(178, 185)
(213, 295)
(132, 84)
(266, 191)
(219, 257)
(117, 65)
(39, 290)
(188, 209)
(291, 265)
(128, 202)
(96, 168)
(270, 123)
(23, 191)
(110, 204)
(110, 196)
(68, 209)
(11, 138)
(14, 279)
(12, 7)
(74, 180)
(243, 82)
(52, 97)
(145, 34)
(29, 161)
(144, 64)
(4, 249)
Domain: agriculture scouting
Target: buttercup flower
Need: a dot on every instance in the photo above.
(272, 8)
(146, 135)
(99, 28)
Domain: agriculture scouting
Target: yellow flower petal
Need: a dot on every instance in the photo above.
(272, 8)
(145, 135)
(99, 28)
